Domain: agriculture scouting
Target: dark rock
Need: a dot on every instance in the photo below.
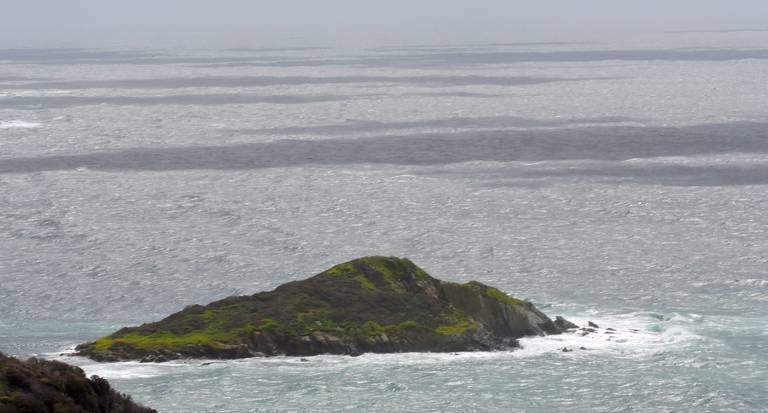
(583, 348)
(372, 304)
(591, 324)
(154, 358)
(44, 386)
(566, 350)
(304, 360)
(564, 324)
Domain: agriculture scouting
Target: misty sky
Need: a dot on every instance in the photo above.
(255, 23)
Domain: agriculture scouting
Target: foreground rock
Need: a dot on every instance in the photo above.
(51, 386)
(372, 304)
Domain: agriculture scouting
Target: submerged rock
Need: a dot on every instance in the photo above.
(42, 386)
(372, 304)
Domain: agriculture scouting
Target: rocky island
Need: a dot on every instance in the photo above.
(371, 304)
(43, 386)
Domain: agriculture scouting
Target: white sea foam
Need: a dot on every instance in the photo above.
(18, 124)
(624, 335)
(132, 370)
(123, 370)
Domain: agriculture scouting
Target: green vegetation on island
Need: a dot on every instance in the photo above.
(371, 304)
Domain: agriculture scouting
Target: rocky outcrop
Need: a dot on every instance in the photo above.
(43, 386)
(372, 304)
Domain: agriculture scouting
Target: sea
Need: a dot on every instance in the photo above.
(623, 182)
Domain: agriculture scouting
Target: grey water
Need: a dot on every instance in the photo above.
(625, 184)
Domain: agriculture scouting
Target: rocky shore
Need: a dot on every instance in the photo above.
(42, 386)
(371, 304)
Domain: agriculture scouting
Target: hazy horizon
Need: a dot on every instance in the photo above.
(241, 23)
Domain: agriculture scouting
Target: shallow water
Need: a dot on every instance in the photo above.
(614, 183)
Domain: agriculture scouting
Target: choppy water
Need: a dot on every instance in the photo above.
(624, 184)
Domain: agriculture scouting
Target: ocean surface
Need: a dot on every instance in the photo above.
(622, 183)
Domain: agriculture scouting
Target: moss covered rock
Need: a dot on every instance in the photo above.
(371, 304)
(43, 386)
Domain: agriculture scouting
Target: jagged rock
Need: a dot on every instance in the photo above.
(44, 386)
(591, 324)
(372, 304)
(564, 324)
